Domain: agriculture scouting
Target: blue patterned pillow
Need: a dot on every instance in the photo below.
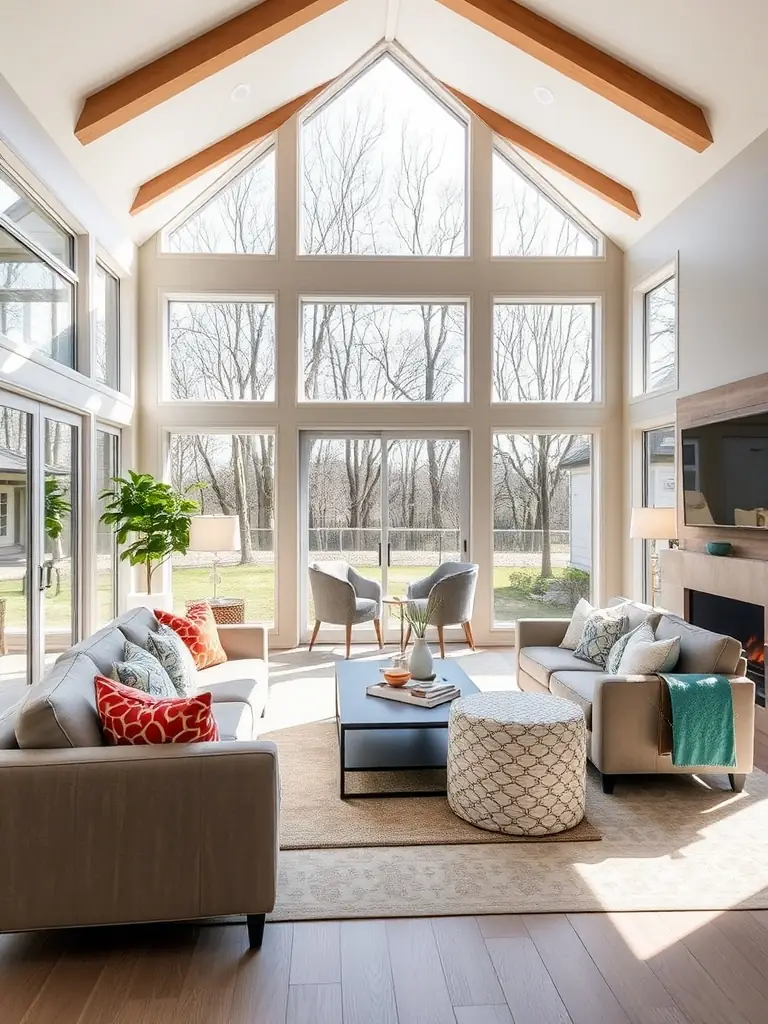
(176, 658)
(601, 632)
(144, 672)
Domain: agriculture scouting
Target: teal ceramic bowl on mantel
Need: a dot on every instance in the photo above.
(719, 547)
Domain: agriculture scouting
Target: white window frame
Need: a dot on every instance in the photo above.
(638, 331)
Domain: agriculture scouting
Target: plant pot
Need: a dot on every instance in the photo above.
(421, 665)
(163, 601)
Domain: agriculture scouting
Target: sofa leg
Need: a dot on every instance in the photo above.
(255, 924)
(608, 781)
(737, 782)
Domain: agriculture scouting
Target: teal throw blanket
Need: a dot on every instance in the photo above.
(702, 720)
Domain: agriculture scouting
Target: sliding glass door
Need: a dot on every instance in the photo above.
(39, 536)
(392, 505)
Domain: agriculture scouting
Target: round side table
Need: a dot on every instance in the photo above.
(227, 611)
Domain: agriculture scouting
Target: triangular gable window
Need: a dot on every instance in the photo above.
(528, 223)
(239, 218)
(384, 170)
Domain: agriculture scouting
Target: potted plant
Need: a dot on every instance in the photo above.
(151, 521)
(419, 616)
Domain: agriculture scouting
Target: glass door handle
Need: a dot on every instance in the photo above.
(379, 554)
(46, 576)
(389, 555)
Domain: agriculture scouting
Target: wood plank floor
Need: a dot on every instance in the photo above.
(643, 968)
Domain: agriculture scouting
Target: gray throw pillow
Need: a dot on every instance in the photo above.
(644, 655)
(144, 672)
(601, 632)
(176, 658)
(614, 658)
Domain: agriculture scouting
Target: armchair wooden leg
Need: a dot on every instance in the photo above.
(314, 634)
(377, 627)
(441, 640)
(407, 636)
(349, 638)
(468, 634)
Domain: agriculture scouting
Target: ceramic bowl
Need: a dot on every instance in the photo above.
(397, 676)
(719, 547)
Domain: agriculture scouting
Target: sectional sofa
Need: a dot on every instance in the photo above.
(94, 835)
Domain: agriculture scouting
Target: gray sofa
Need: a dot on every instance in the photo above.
(628, 717)
(94, 834)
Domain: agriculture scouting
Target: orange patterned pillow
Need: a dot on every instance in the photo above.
(130, 716)
(198, 631)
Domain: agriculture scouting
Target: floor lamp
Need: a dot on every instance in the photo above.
(653, 524)
(214, 534)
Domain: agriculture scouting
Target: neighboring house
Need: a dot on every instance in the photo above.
(13, 502)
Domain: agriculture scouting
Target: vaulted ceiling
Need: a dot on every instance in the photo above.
(709, 53)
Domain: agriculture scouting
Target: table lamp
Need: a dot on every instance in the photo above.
(214, 534)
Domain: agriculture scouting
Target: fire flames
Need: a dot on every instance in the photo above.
(755, 650)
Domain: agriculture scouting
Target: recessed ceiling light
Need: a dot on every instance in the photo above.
(544, 95)
(240, 92)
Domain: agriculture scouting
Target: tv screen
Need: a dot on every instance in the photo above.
(725, 473)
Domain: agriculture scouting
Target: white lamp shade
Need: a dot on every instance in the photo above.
(214, 533)
(653, 524)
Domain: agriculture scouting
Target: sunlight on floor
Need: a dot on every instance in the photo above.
(647, 935)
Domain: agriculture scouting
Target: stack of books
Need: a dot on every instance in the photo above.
(426, 695)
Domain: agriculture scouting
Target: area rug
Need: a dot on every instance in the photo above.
(669, 843)
(313, 816)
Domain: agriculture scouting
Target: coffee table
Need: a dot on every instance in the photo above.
(377, 735)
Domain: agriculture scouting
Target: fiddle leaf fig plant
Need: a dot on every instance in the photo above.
(151, 520)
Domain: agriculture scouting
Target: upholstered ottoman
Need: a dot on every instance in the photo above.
(517, 762)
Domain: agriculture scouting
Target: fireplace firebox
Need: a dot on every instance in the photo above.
(739, 619)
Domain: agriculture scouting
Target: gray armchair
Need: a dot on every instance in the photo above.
(452, 586)
(343, 597)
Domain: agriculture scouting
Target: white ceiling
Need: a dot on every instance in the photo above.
(710, 51)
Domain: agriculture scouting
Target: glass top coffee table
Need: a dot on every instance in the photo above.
(377, 735)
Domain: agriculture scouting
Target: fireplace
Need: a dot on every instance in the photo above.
(739, 619)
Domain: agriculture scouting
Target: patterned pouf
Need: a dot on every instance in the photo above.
(517, 762)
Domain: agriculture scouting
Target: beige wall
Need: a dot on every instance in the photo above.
(718, 237)
(477, 279)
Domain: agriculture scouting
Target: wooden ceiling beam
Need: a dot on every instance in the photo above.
(588, 177)
(193, 62)
(591, 67)
(194, 166)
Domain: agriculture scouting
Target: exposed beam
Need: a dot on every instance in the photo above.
(591, 67)
(583, 174)
(193, 62)
(175, 177)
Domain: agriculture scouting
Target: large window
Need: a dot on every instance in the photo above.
(660, 337)
(221, 350)
(107, 323)
(543, 352)
(384, 170)
(237, 472)
(528, 223)
(20, 210)
(107, 467)
(36, 302)
(240, 218)
(384, 352)
(658, 492)
(542, 524)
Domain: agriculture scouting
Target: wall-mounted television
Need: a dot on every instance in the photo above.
(725, 473)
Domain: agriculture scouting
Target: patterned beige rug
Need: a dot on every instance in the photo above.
(313, 816)
(669, 843)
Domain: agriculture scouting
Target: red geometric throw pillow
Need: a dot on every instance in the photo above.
(198, 631)
(129, 716)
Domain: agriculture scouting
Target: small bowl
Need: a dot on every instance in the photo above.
(397, 676)
(719, 547)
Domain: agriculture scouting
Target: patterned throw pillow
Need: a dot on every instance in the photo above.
(144, 672)
(130, 717)
(198, 631)
(175, 657)
(601, 631)
(644, 655)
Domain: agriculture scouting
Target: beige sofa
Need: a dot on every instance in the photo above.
(93, 834)
(628, 717)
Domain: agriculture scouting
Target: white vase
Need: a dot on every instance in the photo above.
(420, 665)
(164, 601)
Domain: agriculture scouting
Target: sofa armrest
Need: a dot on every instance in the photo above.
(540, 632)
(104, 835)
(244, 641)
(631, 727)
